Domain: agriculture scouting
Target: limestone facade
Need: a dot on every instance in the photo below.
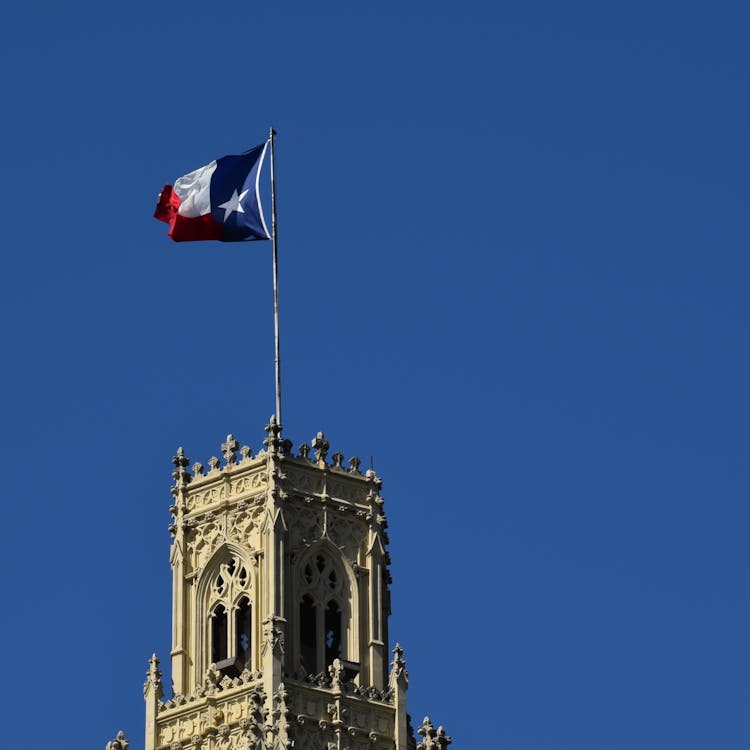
(280, 606)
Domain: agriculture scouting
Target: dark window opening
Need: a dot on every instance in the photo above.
(332, 580)
(219, 634)
(308, 638)
(333, 632)
(242, 629)
(230, 567)
(220, 585)
(308, 573)
(320, 562)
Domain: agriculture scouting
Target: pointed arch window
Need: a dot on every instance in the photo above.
(230, 645)
(323, 613)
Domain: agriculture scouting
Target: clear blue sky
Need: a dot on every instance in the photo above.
(514, 269)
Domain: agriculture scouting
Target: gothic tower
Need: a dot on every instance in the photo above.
(280, 605)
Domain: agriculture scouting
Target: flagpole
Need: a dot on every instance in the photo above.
(274, 238)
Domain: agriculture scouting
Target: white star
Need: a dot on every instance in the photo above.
(234, 204)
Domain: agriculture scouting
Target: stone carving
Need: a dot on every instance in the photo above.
(354, 463)
(306, 526)
(347, 533)
(304, 451)
(202, 541)
(398, 666)
(202, 498)
(247, 483)
(338, 460)
(320, 446)
(432, 739)
(246, 452)
(153, 678)
(273, 428)
(273, 636)
(229, 450)
(180, 474)
(118, 743)
(214, 463)
(244, 527)
(198, 469)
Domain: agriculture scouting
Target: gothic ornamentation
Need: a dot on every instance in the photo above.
(229, 450)
(153, 680)
(273, 636)
(202, 541)
(180, 474)
(432, 739)
(320, 446)
(118, 743)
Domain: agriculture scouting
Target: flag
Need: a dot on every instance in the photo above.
(220, 201)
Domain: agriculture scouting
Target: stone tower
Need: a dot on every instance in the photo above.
(280, 605)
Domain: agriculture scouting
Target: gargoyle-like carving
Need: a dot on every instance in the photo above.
(273, 636)
(118, 743)
(214, 463)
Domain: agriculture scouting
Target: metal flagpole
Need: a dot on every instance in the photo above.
(275, 281)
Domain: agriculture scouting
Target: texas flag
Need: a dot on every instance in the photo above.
(220, 201)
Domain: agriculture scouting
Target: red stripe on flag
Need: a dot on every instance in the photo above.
(184, 228)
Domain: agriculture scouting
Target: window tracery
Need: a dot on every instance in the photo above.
(230, 616)
(323, 612)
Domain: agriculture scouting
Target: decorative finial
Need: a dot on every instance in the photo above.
(273, 428)
(354, 463)
(118, 743)
(321, 446)
(336, 670)
(229, 449)
(304, 451)
(198, 469)
(338, 460)
(180, 475)
(398, 667)
(432, 739)
(153, 677)
(214, 463)
(154, 673)
(246, 452)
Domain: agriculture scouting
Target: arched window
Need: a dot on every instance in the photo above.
(323, 612)
(218, 634)
(333, 632)
(230, 645)
(243, 630)
(308, 618)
